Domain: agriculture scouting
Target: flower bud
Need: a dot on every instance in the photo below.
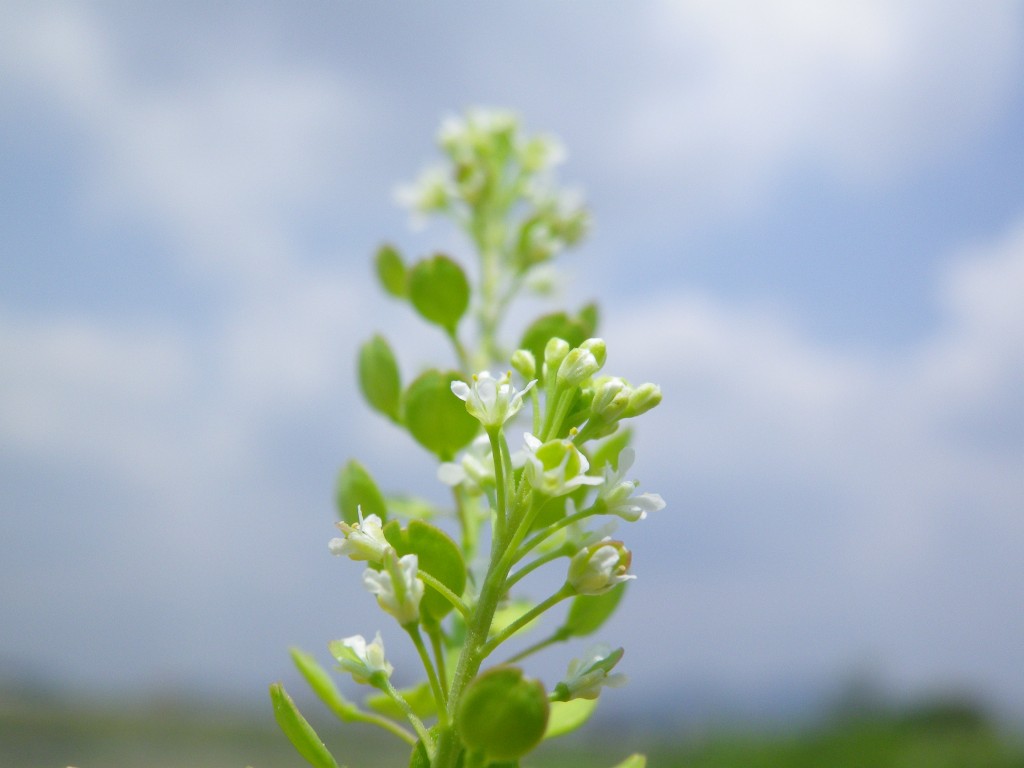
(596, 569)
(578, 366)
(643, 398)
(365, 662)
(611, 397)
(398, 586)
(597, 348)
(588, 675)
(524, 363)
(554, 353)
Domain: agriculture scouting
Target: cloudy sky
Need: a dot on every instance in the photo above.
(809, 231)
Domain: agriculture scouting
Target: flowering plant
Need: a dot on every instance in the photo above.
(456, 593)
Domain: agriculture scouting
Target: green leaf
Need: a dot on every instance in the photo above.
(633, 761)
(439, 290)
(587, 613)
(435, 417)
(588, 317)
(437, 554)
(509, 612)
(299, 732)
(391, 271)
(379, 378)
(502, 713)
(323, 685)
(567, 716)
(356, 489)
(419, 697)
(608, 451)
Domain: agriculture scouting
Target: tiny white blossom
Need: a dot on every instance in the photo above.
(492, 401)
(597, 568)
(618, 493)
(360, 659)
(363, 540)
(585, 677)
(397, 586)
(556, 467)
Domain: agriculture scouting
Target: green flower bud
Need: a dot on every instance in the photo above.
(643, 398)
(398, 587)
(524, 363)
(555, 352)
(588, 675)
(597, 568)
(611, 397)
(597, 348)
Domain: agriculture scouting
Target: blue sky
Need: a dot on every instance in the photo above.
(809, 231)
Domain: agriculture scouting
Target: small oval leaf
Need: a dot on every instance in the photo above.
(379, 378)
(391, 271)
(435, 417)
(299, 732)
(587, 613)
(567, 716)
(356, 489)
(502, 713)
(439, 290)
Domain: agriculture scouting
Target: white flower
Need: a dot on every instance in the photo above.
(597, 568)
(363, 540)
(430, 192)
(585, 677)
(492, 401)
(556, 467)
(618, 493)
(397, 586)
(360, 659)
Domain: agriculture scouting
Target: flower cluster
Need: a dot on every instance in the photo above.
(545, 502)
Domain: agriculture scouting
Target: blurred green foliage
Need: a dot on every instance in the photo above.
(162, 735)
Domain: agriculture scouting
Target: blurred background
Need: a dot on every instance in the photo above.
(809, 231)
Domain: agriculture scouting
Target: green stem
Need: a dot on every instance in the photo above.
(532, 566)
(460, 351)
(358, 716)
(500, 482)
(437, 644)
(552, 529)
(555, 637)
(564, 592)
(416, 723)
(435, 686)
(447, 594)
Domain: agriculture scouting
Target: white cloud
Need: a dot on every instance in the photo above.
(867, 499)
(744, 93)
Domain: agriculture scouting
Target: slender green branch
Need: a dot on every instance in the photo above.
(500, 481)
(416, 723)
(555, 637)
(440, 698)
(382, 722)
(551, 530)
(533, 565)
(447, 594)
(564, 592)
(436, 636)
